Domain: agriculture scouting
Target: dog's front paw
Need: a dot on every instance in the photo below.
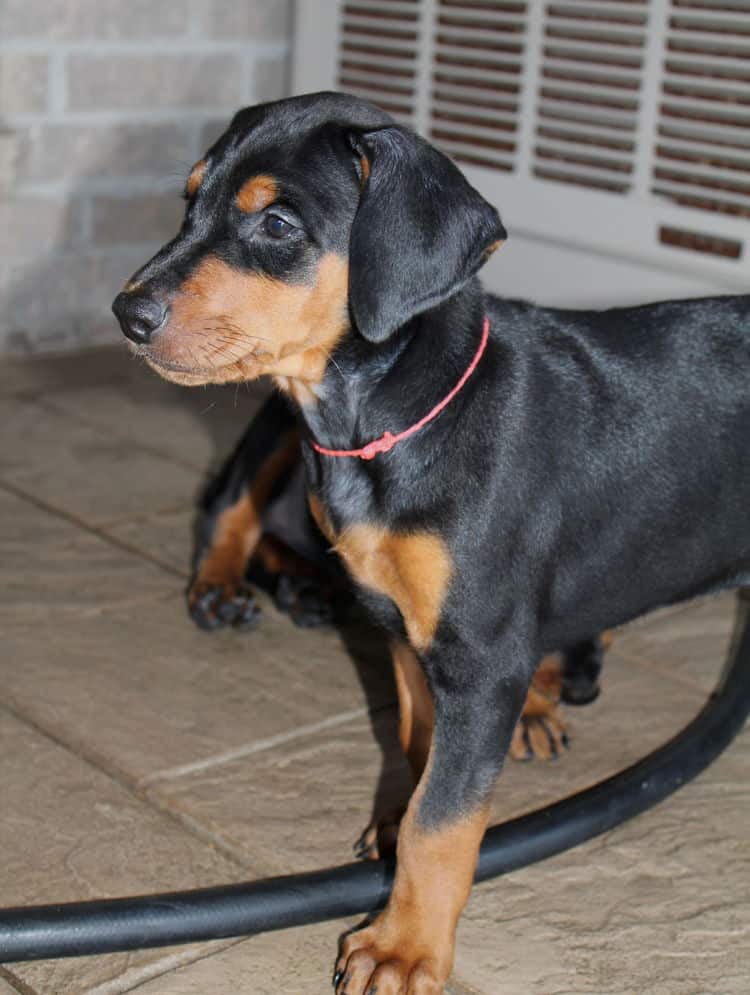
(371, 963)
(212, 606)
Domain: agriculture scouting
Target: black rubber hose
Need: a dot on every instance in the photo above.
(105, 926)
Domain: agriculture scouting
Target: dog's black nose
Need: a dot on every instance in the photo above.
(139, 316)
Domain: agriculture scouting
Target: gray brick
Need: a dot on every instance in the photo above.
(212, 129)
(65, 152)
(31, 225)
(154, 81)
(261, 20)
(135, 219)
(10, 142)
(271, 79)
(23, 83)
(66, 300)
(114, 20)
(6, 290)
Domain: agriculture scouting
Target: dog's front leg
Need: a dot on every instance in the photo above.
(408, 948)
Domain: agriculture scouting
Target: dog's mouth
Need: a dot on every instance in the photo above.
(247, 367)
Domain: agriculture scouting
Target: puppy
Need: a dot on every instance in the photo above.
(499, 479)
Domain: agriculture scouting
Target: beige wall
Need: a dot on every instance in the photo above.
(104, 105)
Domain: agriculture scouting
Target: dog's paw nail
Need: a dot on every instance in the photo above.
(550, 740)
(248, 618)
(337, 977)
(226, 611)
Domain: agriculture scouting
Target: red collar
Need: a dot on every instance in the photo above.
(387, 440)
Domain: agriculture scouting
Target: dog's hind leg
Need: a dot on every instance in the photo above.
(582, 666)
(416, 718)
(231, 522)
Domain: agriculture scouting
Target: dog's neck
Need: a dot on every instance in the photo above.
(368, 389)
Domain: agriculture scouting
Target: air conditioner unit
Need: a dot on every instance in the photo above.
(613, 135)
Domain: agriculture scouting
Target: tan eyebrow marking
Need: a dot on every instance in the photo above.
(257, 193)
(364, 163)
(196, 177)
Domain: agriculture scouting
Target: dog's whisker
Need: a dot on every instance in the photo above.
(329, 357)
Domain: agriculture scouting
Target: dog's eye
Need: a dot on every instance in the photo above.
(277, 227)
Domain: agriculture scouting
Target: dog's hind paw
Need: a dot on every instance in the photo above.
(539, 737)
(379, 839)
(305, 601)
(540, 733)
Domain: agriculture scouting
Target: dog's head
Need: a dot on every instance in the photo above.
(309, 218)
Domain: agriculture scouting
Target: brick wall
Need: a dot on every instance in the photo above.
(104, 106)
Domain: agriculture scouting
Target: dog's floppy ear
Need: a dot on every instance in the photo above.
(420, 232)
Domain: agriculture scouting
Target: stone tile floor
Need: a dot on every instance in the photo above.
(138, 754)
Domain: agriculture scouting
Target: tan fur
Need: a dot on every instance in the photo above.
(541, 724)
(415, 707)
(236, 535)
(320, 516)
(413, 570)
(546, 688)
(364, 163)
(227, 326)
(493, 248)
(238, 528)
(256, 194)
(434, 874)
(196, 177)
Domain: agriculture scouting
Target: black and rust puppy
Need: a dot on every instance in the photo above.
(500, 479)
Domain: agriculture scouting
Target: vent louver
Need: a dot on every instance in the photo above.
(589, 90)
(378, 53)
(619, 126)
(476, 80)
(702, 155)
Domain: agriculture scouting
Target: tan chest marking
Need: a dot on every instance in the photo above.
(320, 515)
(413, 570)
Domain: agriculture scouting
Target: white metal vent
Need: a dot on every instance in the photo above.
(378, 53)
(477, 68)
(702, 154)
(591, 71)
(619, 129)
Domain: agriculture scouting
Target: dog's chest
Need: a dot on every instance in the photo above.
(413, 570)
